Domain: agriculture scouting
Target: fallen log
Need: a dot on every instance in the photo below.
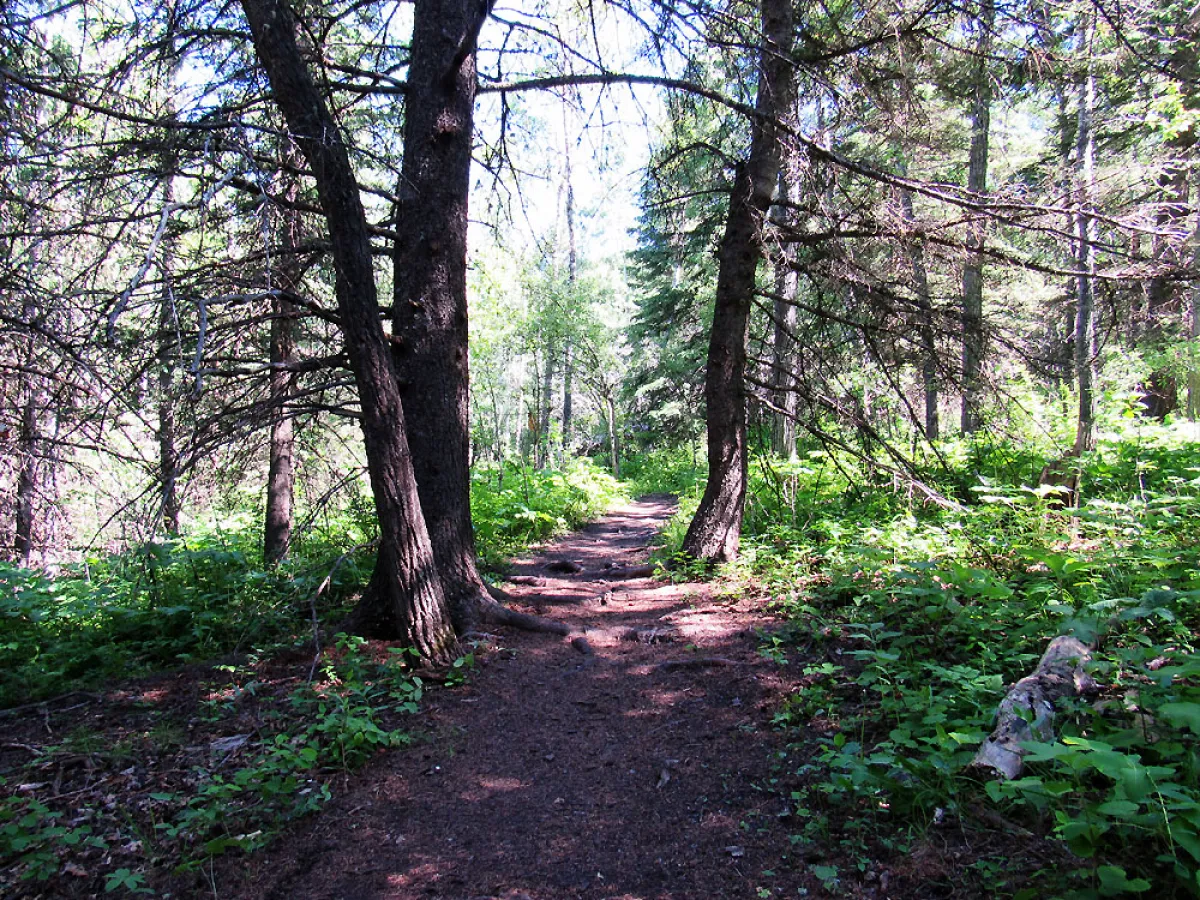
(1027, 711)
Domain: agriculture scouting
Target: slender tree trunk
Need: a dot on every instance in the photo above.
(1085, 263)
(168, 454)
(920, 277)
(405, 597)
(568, 437)
(783, 360)
(544, 453)
(568, 408)
(715, 530)
(1193, 323)
(430, 322)
(614, 445)
(977, 169)
(28, 442)
(783, 351)
(281, 472)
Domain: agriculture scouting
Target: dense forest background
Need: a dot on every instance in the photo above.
(312, 315)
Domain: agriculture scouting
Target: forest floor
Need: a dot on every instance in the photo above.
(640, 769)
(637, 764)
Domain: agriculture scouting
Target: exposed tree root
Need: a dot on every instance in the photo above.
(494, 614)
(632, 572)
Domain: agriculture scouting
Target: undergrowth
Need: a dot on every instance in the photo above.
(906, 621)
(185, 804)
(208, 596)
(513, 506)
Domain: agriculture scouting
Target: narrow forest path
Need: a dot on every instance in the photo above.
(634, 771)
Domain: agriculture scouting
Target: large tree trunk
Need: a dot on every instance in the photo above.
(404, 598)
(281, 472)
(716, 528)
(977, 169)
(430, 321)
(1085, 262)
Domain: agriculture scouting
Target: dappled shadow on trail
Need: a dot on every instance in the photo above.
(638, 770)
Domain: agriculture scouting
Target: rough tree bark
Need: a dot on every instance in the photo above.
(977, 169)
(716, 528)
(404, 598)
(430, 319)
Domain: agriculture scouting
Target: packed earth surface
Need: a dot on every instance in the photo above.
(630, 764)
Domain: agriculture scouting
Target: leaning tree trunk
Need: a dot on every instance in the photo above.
(404, 598)
(430, 323)
(977, 169)
(716, 528)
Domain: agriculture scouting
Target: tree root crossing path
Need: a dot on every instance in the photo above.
(635, 763)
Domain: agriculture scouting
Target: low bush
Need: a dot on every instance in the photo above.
(907, 620)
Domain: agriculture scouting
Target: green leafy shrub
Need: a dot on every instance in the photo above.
(151, 608)
(933, 611)
(515, 506)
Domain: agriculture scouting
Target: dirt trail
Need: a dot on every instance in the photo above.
(636, 771)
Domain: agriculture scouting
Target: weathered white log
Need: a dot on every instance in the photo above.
(1027, 711)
